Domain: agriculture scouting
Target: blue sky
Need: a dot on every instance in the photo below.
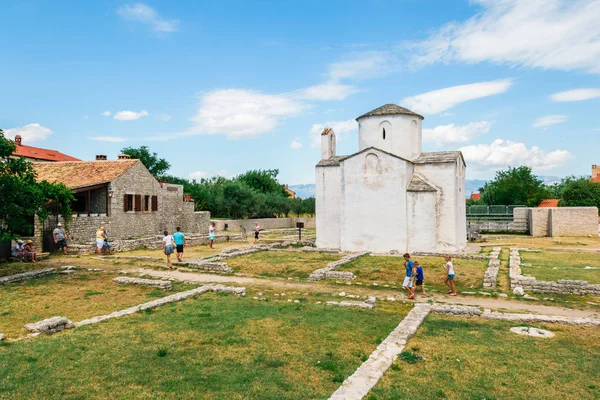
(220, 87)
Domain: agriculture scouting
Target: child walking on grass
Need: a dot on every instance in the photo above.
(408, 279)
(420, 277)
(450, 276)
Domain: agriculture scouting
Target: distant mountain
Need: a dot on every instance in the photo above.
(471, 185)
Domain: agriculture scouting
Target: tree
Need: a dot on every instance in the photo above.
(263, 181)
(22, 197)
(557, 189)
(580, 193)
(156, 166)
(515, 186)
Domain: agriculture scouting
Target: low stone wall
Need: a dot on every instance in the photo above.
(26, 275)
(166, 285)
(263, 223)
(368, 304)
(165, 300)
(206, 265)
(50, 325)
(330, 271)
(469, 311)
(152, 242)
(520, 283)
(563, 221)
(491, 274)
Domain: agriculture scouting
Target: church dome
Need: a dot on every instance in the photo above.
(390, 109)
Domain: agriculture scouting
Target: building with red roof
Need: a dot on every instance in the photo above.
(595, 173)
(37, 154)
(475, 196)
(549, 203)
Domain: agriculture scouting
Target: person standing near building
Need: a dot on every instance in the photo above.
(167, 245)
(450, 276)
(256, 232)
(100, 238)
(409, 277)
(107, 244)
(420, 278)
(244, 233)
(211, 234)
(60, 238)
(179, 239)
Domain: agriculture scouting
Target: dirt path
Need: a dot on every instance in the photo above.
(283, 285)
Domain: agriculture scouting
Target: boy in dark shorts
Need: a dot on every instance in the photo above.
(420, 278)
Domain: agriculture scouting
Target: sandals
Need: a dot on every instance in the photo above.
(452, 294)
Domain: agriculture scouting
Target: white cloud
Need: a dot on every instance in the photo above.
(130, 115)
(140, 12)
(549, 34)
(440, 100)
(549, 120)
(197, 175)
(340, 128)
(85, 116)
(327, 91)
(295, 145)
(164, 117)
(503, 153)
(240, 113)
(29, 133)
(456, 134)
(221, 172)
(106, 113)
(113, 139)
(362, 65)
(446, 114)
(576, 95)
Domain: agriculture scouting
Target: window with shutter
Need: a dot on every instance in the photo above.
(138, 202)
(128, 203)
(154, 203)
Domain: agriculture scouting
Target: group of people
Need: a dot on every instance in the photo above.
(102, 242)
(176, 242)
(24, 252)
(415, 277)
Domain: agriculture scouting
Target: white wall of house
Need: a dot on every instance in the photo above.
(422, 222)
(328, 198)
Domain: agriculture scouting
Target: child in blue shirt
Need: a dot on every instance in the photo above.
(420, 278)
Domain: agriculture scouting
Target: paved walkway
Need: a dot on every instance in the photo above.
(284, 285)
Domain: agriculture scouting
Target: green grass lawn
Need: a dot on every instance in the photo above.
(281, 263)
(390, 270)
(77, 297)
(13, 268)
(210, 347)
(480, 359)
(555, 265)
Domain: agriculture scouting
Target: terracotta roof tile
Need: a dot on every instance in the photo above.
(82, 174)
(549, 203)
(326, 131)
(42, 154)
(475, 196)
(390, 109)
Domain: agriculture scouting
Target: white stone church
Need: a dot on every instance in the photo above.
(390, 195)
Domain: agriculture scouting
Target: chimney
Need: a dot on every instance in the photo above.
(100, 157)
(327, 144)
(124, 157)
(18, 140)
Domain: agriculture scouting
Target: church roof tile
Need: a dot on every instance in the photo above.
(390, 109)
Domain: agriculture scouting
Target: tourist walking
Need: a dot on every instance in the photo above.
(256, 232)
(29, 252)
(409, 277)
(100, 238)
(107, 244)
(179, 239)
(420, 278)
(211, 234)
(244, 233)
(60, 238)
(167, 245)
(450, 276)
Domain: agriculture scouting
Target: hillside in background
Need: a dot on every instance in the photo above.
(472, 185)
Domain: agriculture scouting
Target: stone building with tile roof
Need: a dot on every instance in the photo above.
(390, 195)
(38, 154)
(121, 195)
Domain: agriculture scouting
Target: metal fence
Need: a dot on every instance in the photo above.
(496, 219)
(500, 211)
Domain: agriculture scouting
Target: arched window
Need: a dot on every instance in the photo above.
(383, 133)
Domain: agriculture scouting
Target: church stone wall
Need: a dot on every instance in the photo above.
(328, 206)
(373, 204)
(403, 134)
(422, 212)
